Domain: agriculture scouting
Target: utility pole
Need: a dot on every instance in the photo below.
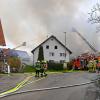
(65, 45)
(65, 63)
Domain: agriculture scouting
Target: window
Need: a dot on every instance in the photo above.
(47, 46)
(51, 61)
(62, 61)
(62, 55)
(56, 47)
(51, 53)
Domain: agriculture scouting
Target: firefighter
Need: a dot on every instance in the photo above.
(37, 68)
(92, 65)
(98, 66)
(43, 68)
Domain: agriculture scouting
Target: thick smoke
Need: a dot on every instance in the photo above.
(33, 20)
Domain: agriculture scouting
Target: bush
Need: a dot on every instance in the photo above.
(55, 66)
(15, 64)
(69, 65)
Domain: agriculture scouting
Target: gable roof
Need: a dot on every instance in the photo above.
(56, 40)
(16, 53)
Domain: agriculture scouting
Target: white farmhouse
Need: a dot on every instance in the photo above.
(54, 51)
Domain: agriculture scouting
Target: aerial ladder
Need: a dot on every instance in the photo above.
(79, 34)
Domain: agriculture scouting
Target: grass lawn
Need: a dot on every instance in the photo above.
(28, 69)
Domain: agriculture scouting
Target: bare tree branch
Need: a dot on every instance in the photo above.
(94, 15)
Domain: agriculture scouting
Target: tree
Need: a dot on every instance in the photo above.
(94, 16)
(41, 54)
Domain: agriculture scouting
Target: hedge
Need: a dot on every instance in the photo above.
(55, 66)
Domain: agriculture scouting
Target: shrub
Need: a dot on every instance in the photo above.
(14, 63)
(69, 65)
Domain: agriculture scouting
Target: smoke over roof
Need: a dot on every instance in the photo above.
(32, 20)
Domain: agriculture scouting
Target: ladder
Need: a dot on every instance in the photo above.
(78, 33)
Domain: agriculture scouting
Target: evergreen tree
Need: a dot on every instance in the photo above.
(40, 54)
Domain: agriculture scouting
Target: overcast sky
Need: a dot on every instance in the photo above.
(33, 20)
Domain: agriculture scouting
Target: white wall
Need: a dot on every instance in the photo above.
(56, 57)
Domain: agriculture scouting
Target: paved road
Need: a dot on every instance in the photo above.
(10, 81)
(84, 92)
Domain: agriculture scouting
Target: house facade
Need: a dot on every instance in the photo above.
(54, 51)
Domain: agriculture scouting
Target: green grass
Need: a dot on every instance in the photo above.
(28, 69)
(31, 69)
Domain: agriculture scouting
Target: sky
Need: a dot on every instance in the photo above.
(32, 20)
